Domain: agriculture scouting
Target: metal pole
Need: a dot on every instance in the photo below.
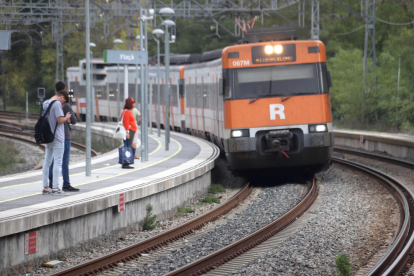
(398, 87)
(88, 93)
(143, 115)
(117, 96)
(126, 81)
(136, 83)
(92, 92)
(167, 88)
(27, 105)
(4, 83)
(146, 95)
(159, 93)
(147, 86)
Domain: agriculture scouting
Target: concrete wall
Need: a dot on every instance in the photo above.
(70, 233)
(400, 148)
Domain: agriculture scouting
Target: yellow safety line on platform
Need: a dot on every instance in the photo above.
(129, 171)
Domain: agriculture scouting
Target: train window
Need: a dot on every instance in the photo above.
(283, 80)
(227, 83)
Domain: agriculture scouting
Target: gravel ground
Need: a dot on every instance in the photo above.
(270, 204)
(354, 218)
(33, 157)
(123, 238)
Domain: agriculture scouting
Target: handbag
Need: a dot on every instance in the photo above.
(120, 132)
(126, 154)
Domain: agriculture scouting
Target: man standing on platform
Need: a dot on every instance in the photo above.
(54, 150)
(66, 153)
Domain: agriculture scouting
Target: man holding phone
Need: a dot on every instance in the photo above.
(66, 153)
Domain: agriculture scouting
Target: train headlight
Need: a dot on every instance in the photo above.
(240, 133)
(318, 128)
(278, 49)
(268, 49)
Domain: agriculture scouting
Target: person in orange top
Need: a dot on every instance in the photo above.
(129, 123)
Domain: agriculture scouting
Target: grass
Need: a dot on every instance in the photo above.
(8, 155)
(210, 200)
(216, 188)
(185, 210)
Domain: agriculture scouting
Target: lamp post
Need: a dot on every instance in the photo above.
(138, 37)
(92, 110)
(144, 88)
(88, 95)
(167, 23)
(117, 41)
(158, 33)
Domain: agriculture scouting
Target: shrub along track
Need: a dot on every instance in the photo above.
(400, 255)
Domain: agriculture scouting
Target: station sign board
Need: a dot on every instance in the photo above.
(121, 202)
(125, 57)
(31, 242)
(5, 40)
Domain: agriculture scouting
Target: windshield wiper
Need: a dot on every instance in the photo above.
(263, 96)
(284, 99)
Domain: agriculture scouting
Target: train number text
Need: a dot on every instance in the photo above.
(241, 62)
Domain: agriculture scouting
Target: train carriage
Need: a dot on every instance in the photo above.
(277, 107)
(265, 104)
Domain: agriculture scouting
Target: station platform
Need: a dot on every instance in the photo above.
(167, 180)
(395, 144)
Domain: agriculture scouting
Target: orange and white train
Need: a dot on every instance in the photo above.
(266, 105)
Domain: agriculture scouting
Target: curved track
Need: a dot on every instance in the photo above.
(397, 258)
(14, 135)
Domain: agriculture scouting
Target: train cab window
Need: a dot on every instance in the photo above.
(282, 80)
(227, 84)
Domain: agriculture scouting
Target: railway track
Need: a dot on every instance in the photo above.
(124, 255)
(18, 114)
(399, 257)
(113, 260)
(28, 139)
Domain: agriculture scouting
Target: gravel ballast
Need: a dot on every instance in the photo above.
(270, 204)
(353, 219)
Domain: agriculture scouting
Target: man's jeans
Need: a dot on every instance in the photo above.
(65, 166)
(54, 151)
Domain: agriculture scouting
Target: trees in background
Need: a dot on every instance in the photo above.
(29, 66)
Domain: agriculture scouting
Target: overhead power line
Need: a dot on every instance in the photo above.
(353, 31)
(391, 23)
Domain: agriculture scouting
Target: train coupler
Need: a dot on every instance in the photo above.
(279, 141)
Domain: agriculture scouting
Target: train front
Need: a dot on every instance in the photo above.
(277, 111)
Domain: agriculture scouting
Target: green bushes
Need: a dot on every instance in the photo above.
(216, 188)
(343, 266)
(149, 220)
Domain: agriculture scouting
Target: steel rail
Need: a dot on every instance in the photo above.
(73, 144)
(396, 258)
(134, 251)
(388, 159)
(230, 252)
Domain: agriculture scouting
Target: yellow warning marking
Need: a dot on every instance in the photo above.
(100, 179)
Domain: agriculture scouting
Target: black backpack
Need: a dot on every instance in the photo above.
(43, 133)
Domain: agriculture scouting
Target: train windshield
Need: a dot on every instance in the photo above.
(285, 80)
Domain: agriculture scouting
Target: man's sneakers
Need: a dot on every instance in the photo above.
(58, 192)
(46, 191)
(70, 189)
(49, 191)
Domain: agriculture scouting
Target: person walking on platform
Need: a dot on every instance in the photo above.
(54, 150)
(137, 115)
(129, 123)
(66, 153)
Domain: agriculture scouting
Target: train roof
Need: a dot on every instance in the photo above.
(275, 33)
